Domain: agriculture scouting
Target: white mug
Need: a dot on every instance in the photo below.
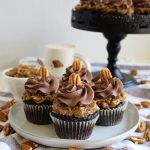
(65, 54)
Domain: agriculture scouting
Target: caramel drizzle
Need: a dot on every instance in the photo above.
(77, 66)
(37, 99)
(75, 79)
(43, 72)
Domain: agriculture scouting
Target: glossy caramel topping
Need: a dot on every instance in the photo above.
(79, 112)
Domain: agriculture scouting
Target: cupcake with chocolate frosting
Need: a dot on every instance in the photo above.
(90, 5)
(40, 91)
(77, 68)
(124, 7)
(74, 112)
(142, 6)
(110, 98)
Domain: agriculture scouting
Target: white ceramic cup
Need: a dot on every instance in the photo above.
(14, 85)
(66, 54)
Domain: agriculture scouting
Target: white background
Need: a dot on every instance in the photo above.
(26, 26)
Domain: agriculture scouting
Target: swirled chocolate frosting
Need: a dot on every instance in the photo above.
(85, 75)
(142, 3)
(36, 85)
(73, 95)
(105, 89)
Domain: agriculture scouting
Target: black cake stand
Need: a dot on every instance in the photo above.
(115, 28)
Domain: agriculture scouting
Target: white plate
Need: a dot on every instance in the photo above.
(101, 136)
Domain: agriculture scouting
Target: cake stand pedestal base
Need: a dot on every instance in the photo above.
(113, 48)
(115, 28)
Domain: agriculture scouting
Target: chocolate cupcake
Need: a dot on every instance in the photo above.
(74, 112)
(38, 97)
(77, 68)
(124, 7)
(90, 5)
(110, 98)
(142, 6)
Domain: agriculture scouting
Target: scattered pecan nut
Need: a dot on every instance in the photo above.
(29, 145)
(3, 116)
(148, 117)
(26, 147)
(138, 106)
(133, 72)
(144, 81)
(7, 105)
(57, 64)
(145, 104)
(1, 127)
(147, 135)
(8, 130)
(141, 127)
(137, 140)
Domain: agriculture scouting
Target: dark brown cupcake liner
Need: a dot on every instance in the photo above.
(111, 117)
(38, 114)
(79, 130)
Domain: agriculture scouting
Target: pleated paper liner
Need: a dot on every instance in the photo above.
(38, 114)
(111, 117)
(74, 128)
